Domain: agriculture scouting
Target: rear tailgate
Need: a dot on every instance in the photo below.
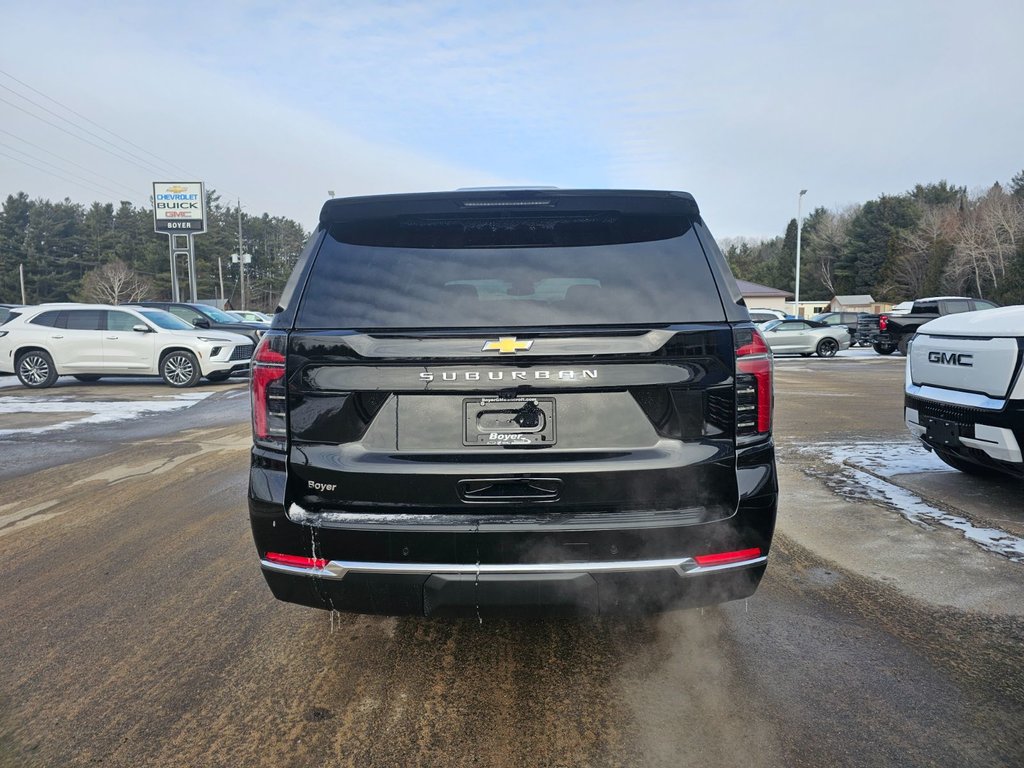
(600, 421)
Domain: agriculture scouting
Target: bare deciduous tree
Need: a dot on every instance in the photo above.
(935, 232)
(990, 230)
(826, 242)
(114, 283)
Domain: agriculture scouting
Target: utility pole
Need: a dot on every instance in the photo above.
(799, 199)
(220, 273)
(241, 250)
(21, 276)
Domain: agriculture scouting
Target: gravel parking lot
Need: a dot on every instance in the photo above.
(137, 629)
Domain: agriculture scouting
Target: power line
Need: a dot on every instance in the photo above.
(108, 190)
(151, 167)
(95, 190)
(93, 122)
(86, 131)
(66, 160)
(76, 136)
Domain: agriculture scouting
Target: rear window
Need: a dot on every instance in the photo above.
(479, 272)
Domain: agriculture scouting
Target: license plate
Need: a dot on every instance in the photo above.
(520, 421)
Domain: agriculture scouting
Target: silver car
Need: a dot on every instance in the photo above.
(805, 337)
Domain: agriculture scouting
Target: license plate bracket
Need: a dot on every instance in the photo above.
(515, 422)
(941, 432)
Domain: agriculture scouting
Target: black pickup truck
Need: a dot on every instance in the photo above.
(888, 333)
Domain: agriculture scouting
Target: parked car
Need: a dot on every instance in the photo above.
(847, 319)
(89, 341)
(891, 331)
(805, 337)
(492, 401)
(965, 390)
(6, 310)
(206, 317)
(248, 316)
(760, 315)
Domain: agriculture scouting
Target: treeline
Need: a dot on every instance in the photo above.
(64, 246)
(936, 239)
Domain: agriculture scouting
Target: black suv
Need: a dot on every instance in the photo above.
(205, 316)
(487, 402)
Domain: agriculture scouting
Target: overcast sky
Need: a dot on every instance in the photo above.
(741, 103)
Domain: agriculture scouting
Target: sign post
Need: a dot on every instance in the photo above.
(179, 211)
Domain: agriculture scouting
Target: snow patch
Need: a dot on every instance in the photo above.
(864, 469)
(100, 412)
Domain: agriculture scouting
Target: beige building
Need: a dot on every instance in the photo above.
(765, 297)
(861, 302)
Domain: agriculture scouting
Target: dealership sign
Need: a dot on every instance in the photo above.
(179, 207)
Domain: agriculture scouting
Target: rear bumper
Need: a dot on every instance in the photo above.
(565, 589)
(486, 563)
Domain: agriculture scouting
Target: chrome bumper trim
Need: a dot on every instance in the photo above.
(954, 397)
(339, 569)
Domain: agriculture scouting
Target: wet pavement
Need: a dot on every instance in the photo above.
(137, 631)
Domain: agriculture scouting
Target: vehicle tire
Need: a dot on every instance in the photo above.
(805, 354)
(36, 370)
(218, 376)
(827, 348)
(180, 369)
(87, 377)
(883, 349)
(902, 344)
(965, 466)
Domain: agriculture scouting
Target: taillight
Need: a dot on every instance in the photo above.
(754, 396)
(269, 395)
(883, 322)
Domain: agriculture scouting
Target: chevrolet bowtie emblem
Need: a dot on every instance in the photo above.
(507, 345)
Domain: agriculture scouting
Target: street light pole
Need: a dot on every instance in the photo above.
(799, 199)
(242, 265)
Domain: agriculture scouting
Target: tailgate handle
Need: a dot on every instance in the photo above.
(509, 490)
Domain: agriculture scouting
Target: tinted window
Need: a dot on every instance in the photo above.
(46, 318)
(84, 320)
(163, 319)
(952, 307)
(221, 317)
(365, 286)
(121, 321)
(186, 314)
(982, 304)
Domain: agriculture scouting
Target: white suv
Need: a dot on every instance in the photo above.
(88, 341)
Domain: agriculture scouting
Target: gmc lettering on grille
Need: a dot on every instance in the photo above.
(951, 358)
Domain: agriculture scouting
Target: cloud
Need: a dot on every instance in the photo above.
(739, 102)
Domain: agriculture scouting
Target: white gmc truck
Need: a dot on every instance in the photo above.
(965, 390)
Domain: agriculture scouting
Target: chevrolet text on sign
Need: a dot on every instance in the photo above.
(179, 206)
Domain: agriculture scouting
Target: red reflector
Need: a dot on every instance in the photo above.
(724, 558)
(295, 560)
(883, 323)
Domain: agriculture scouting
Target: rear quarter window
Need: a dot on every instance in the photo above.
(48, 319)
